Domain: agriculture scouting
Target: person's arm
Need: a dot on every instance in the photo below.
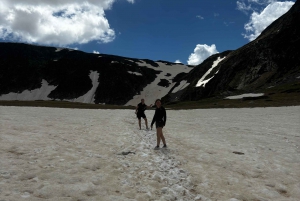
(153, 120)
(145, 108)
(149, 106)
(165, 116)
(136, 109)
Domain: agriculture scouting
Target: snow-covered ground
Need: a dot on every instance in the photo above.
(214, 154)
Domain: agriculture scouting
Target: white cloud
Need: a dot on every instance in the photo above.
(253, 5)
(200, 17)
(56, 22)
(201, 52)
(259, 21)
(262, 2)
(178, 61)
(228, 23)
(241, 6)
(96, 52)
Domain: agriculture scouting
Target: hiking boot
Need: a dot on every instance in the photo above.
(156, 148)
(165, 146)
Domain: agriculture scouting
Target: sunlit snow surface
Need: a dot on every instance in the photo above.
(71, 154)
(203, 81)
(245, 95)
(36, 94)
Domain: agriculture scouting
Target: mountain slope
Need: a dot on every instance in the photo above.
(29, 72)
(270, 60)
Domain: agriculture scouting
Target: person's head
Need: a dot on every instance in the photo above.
(158, 102)
(142, 100)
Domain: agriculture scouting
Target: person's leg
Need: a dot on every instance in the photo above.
(158, 131)
(162, 137)
(140, 123)
(146, 122)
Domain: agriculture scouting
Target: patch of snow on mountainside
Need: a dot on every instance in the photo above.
(244, 96)
(153, 91)
(58, 49)
(183, 84)
(43, 92)
(89, 97)
(203, 80)
(136, 73)
(36, 94)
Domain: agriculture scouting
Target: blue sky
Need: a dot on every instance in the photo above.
(184, 30)
(170, 30)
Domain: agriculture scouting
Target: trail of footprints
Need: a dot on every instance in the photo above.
(156, 174)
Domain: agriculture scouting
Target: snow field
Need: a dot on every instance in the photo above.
(57, 154)
(71, 154)
(268, 137)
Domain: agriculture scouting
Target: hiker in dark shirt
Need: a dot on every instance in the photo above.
(140, 112)
(159, 118)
